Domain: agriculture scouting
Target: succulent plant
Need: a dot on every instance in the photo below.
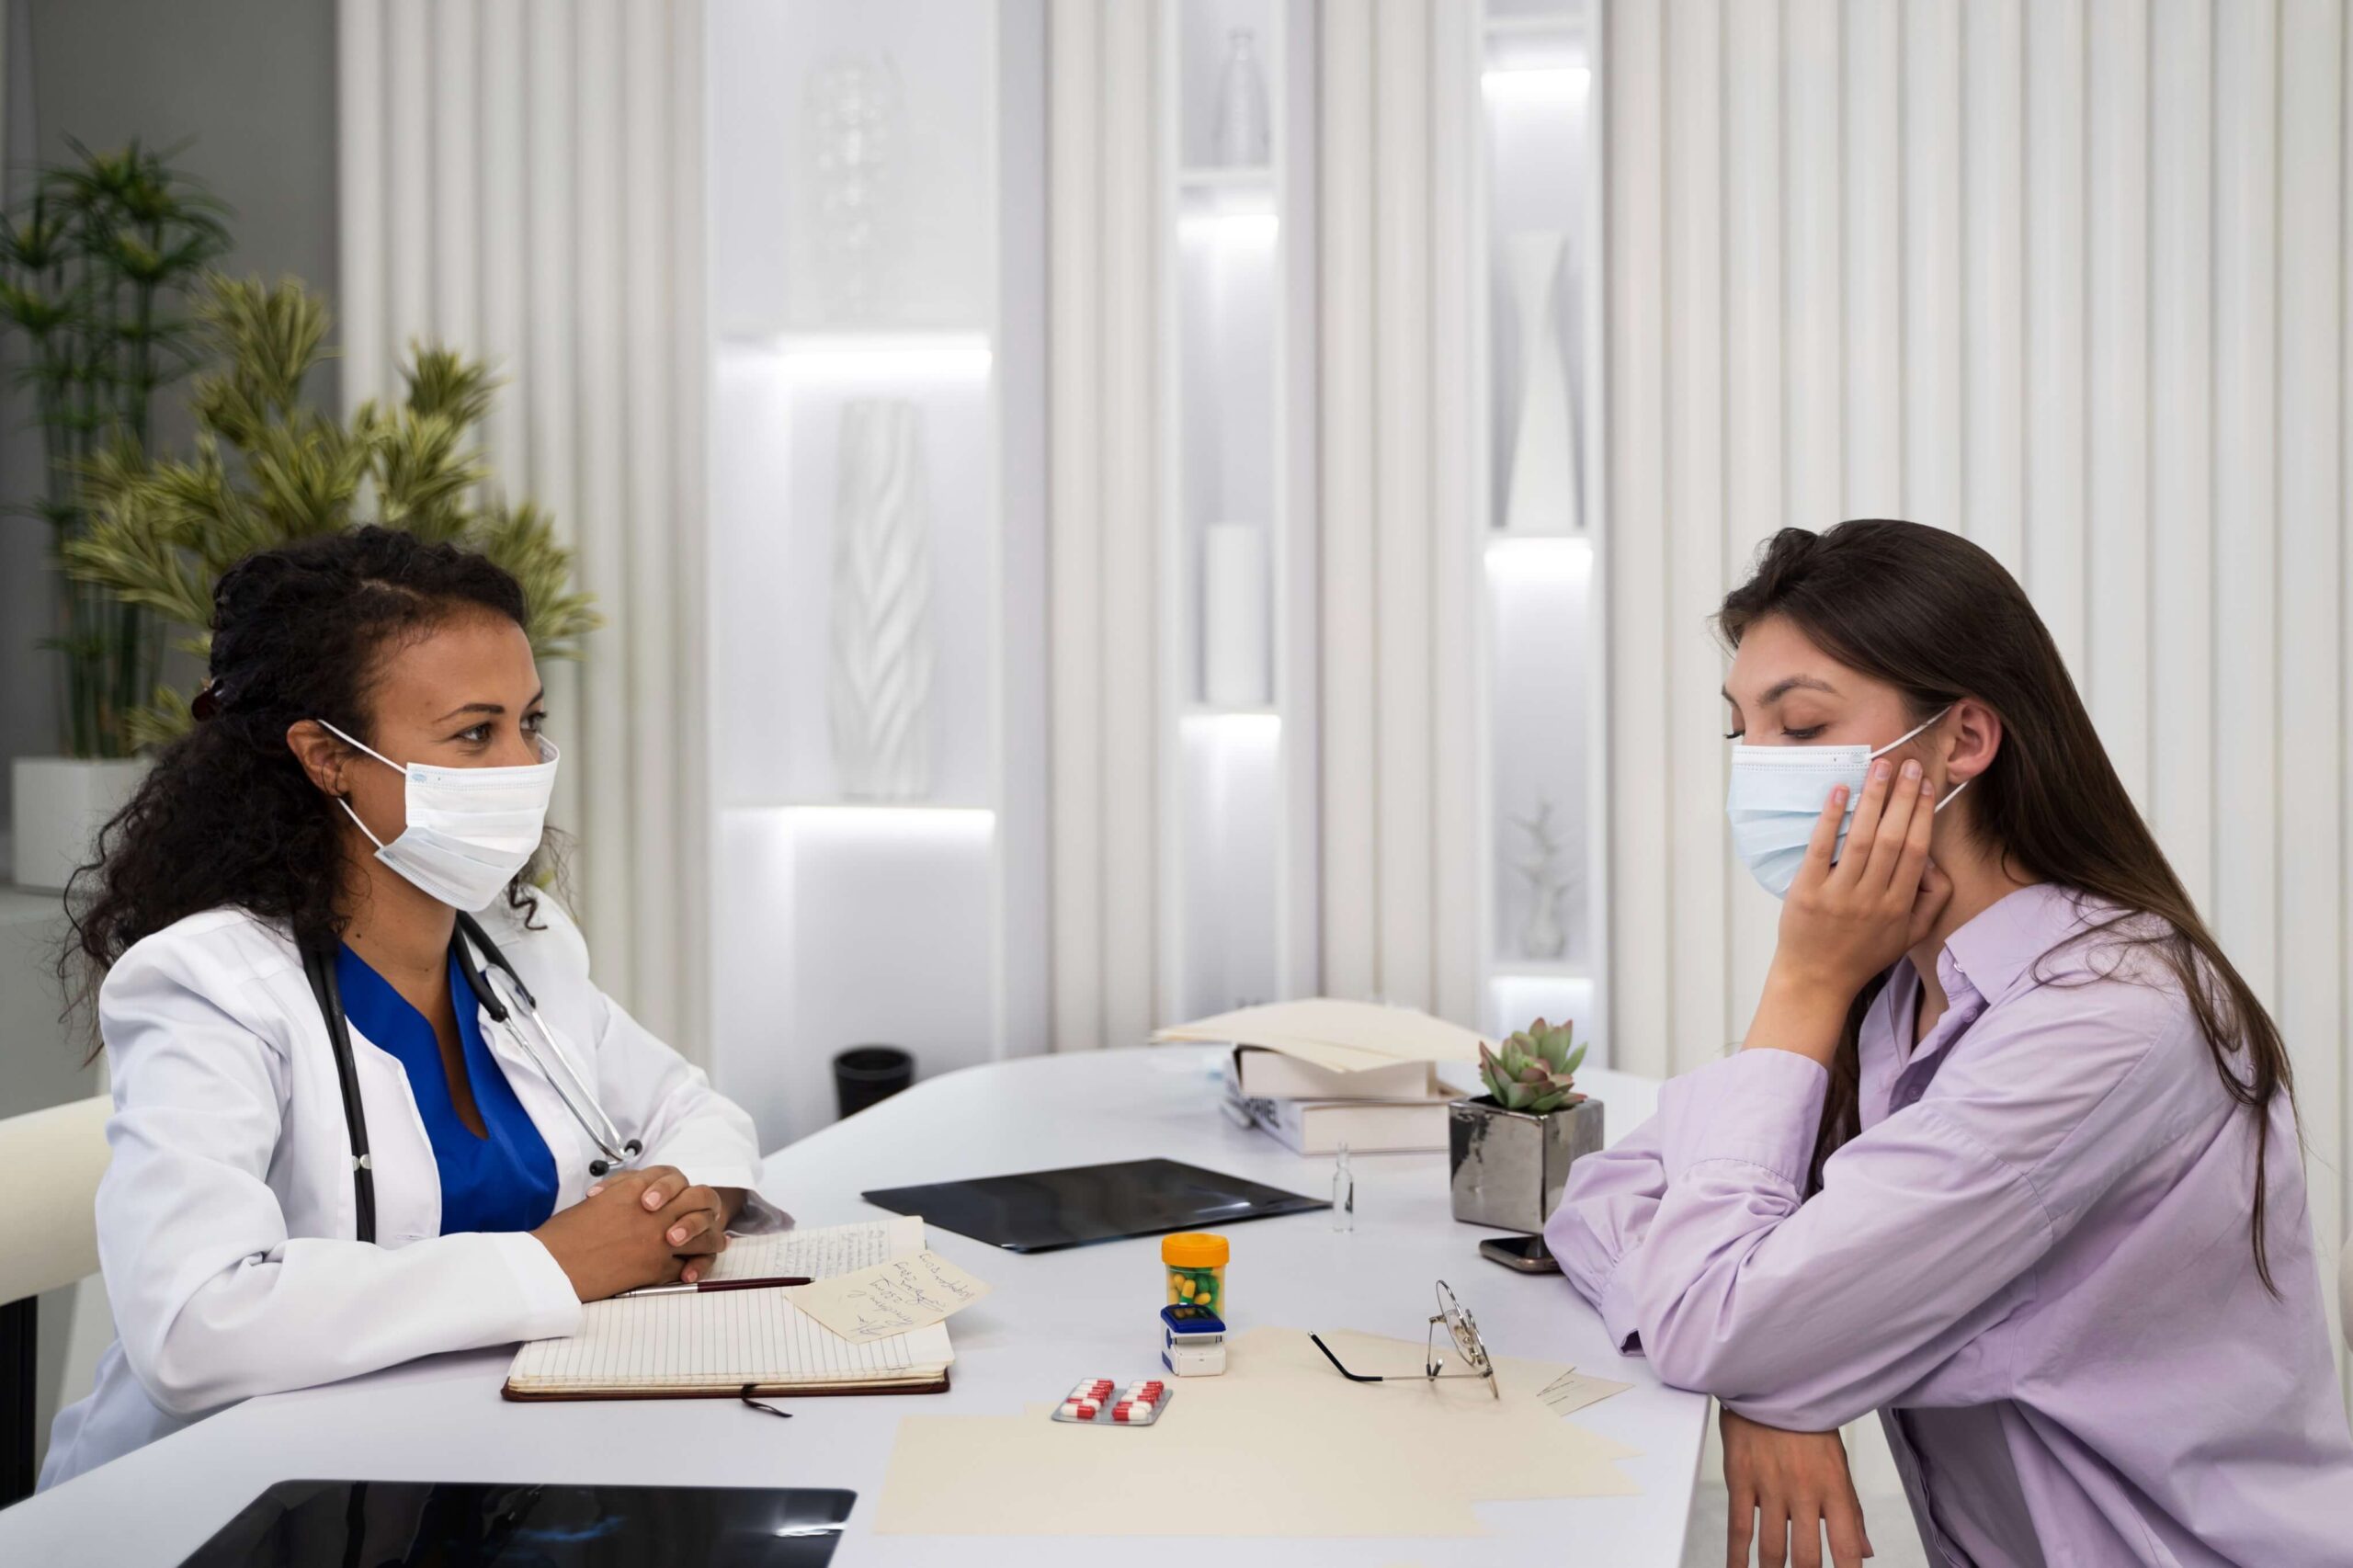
(1536, 1069)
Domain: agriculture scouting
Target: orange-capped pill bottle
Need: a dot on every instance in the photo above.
(1195, 1262)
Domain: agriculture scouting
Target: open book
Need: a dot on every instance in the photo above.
(712, 1344)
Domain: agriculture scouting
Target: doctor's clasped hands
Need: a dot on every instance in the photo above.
(637, 1228)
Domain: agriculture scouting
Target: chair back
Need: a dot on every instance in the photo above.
(51, 1161)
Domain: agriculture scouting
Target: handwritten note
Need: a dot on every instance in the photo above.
(895, 1297)
(1573, 1390)
(818, 1252)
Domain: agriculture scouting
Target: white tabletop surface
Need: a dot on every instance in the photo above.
(1052, 1319)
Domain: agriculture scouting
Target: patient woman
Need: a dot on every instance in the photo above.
(362, 796)
(2008, 1155)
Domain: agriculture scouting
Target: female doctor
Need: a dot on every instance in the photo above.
(366, 767)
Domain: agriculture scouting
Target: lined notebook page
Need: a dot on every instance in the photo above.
(726, 1338)
(716, 1338)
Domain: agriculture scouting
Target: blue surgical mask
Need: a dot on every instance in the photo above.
(1777, 793)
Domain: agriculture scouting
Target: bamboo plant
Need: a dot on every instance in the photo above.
(95, 265)
(268, 470)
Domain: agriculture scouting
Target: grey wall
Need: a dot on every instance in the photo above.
(249, 85)
(27, 685)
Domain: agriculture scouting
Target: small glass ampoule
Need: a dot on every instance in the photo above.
(1344, 1193)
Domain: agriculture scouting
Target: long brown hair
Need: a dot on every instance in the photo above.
(1940, 620)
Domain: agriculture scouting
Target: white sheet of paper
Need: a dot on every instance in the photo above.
(896, 1296)
(1574, 1389)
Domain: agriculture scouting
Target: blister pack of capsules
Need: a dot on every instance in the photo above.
(1099, 1402)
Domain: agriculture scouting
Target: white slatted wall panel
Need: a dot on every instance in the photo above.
(2068, 276)
(1746, 486)
(1455, 58)
(522, 179)
(2309, 844)
(1640, 810)
(1399, 903)
(1701, 354)
(1103, 510)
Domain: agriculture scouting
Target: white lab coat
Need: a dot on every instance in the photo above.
(227, 1223)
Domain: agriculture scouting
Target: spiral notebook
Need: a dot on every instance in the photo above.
(712, 1344)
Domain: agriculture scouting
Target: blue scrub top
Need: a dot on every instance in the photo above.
(502, 1182)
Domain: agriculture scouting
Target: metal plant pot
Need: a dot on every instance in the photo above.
(1509, 1166)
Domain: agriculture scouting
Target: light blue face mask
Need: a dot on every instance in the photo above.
(1778, 791)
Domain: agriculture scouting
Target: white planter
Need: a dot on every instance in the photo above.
(58, 807)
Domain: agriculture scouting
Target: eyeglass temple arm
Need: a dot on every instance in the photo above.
(1352, 1376)
(1429, 1371)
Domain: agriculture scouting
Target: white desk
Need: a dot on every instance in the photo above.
(1052, 1318)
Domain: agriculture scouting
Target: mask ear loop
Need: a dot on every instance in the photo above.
(345, 803)
(403, 771)
(1950, 794)
(1883, 751)
(345, 800)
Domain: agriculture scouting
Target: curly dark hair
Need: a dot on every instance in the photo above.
(227, 817)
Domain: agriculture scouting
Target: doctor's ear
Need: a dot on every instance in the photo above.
(1973, 732)
(320, 753)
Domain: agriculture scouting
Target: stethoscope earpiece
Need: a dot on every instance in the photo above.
(631, 1150)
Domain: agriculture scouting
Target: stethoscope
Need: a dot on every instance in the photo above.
(509, 1012)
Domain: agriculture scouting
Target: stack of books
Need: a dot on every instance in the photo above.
(1318, 1073)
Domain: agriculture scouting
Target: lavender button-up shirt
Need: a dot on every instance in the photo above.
(2034, 1262)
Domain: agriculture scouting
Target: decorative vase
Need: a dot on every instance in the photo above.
(1508, 1166)
(879, 690)
(57, 807)
(1540, 936)
(1242, 139)
(1543, 494)
(853, 104)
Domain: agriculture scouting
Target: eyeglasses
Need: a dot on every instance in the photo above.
(1461, 1327)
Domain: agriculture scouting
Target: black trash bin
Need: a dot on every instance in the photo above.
(865, 1075)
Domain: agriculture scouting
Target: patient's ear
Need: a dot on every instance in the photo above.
(1974, 732)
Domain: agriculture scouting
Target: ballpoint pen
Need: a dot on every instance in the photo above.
(685, 1288)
